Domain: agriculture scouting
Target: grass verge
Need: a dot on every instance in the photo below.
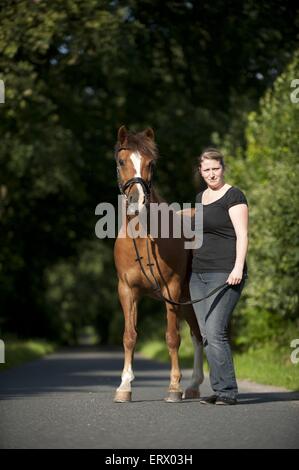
(18, 351)
(266, 365)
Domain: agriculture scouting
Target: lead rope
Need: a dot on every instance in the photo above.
(156, 287)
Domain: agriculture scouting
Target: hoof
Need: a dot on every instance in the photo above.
(122, 397)
(174, 397)
(191, 394)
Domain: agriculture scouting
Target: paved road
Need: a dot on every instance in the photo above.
(65, 401)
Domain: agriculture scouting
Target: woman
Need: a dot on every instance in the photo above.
(220, 259)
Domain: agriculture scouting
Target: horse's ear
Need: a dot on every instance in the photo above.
(122, 134)
(149, 133)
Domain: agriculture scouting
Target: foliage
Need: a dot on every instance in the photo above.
(270, 310)
(78, 293)
(74, 71)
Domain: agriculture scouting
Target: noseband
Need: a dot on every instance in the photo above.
(123, 187)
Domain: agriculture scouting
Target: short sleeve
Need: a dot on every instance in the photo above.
(235, 197)
(198, 197)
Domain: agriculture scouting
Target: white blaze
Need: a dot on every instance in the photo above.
(136, 160)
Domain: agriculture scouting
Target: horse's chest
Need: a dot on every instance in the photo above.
(140, 268)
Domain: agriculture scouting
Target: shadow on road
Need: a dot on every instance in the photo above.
(249, 398)
(253, 398)
(97, 371)
(80, 370)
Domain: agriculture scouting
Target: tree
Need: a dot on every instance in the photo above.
(74, 71)
(271, 306)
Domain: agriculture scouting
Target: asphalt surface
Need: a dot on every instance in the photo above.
(65, 400)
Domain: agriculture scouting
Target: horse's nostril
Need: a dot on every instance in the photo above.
(133, 198)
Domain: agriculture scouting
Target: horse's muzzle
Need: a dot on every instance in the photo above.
(133, 208)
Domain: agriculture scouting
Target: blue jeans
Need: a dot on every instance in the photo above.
(213, 316)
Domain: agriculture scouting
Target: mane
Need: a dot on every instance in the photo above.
(139, 142)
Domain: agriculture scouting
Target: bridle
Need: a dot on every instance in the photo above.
(146, 186)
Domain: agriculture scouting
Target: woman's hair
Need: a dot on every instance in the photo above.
(211, 154)
(208, 154)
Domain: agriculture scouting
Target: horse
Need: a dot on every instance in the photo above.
(136, 155)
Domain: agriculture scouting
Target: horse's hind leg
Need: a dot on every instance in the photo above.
(192, 391)
(129, 305)
(173, 340)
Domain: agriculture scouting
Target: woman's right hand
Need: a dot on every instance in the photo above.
(235, 277)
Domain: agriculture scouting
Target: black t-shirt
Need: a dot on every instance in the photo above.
(218, 250)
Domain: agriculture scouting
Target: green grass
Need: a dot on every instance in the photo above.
(18, 351)
(265, 365)
(268, 365)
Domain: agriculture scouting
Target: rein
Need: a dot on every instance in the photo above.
(156, 286)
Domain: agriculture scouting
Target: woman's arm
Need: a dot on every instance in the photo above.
(239, 218)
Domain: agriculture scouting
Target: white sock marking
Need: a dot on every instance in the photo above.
(126, 379)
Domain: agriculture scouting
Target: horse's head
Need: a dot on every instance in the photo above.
(135, 154)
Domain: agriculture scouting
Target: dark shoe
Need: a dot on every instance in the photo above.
(226, 401)
(209, 400)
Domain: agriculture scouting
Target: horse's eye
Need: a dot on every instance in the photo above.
(121, 162)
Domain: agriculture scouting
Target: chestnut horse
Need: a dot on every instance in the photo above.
(136, 155)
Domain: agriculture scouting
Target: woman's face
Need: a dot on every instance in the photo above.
(212, 172)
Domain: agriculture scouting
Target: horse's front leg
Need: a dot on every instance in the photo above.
(173, 340)
(129, 306)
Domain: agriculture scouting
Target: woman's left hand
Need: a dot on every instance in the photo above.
(235, 276)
